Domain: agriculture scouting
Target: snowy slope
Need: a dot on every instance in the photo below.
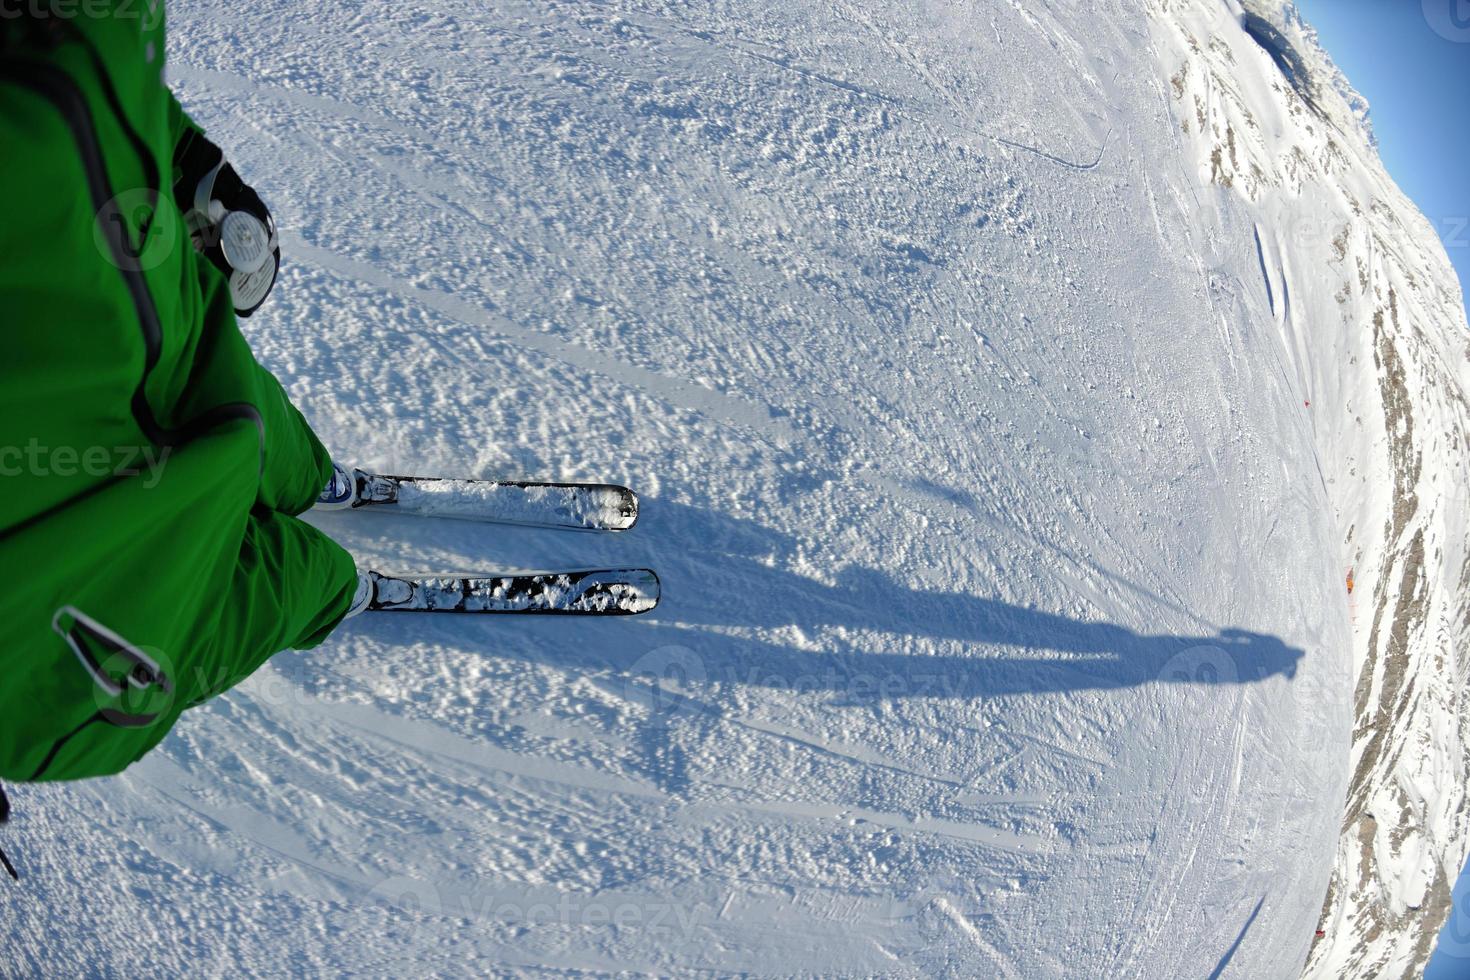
(1004, 629)
(1373, 326)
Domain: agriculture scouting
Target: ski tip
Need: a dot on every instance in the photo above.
(597, 506)
(627, 511)
(618, 592)
(650, 591)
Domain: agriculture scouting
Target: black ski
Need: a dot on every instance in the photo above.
(575, 506)
(596, 592)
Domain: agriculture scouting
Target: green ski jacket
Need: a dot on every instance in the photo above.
(149, 467)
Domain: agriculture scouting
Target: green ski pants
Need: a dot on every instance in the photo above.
(292, 583)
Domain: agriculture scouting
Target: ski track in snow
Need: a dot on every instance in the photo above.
(959, 437)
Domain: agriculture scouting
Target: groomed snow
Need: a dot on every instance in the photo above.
(1004, 628)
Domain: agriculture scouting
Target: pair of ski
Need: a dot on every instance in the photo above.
(566, 506)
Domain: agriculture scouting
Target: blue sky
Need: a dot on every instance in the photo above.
(1411, 60)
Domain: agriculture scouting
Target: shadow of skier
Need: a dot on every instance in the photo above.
(869, 636)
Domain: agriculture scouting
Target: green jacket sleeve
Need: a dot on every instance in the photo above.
(180, 124)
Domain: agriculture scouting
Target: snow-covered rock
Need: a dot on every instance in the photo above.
(1373, 325)
(1005, 438)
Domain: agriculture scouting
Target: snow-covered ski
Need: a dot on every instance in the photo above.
(597, 592)
(576, 506)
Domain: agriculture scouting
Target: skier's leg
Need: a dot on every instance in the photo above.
(292, 586)
(297, 466)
